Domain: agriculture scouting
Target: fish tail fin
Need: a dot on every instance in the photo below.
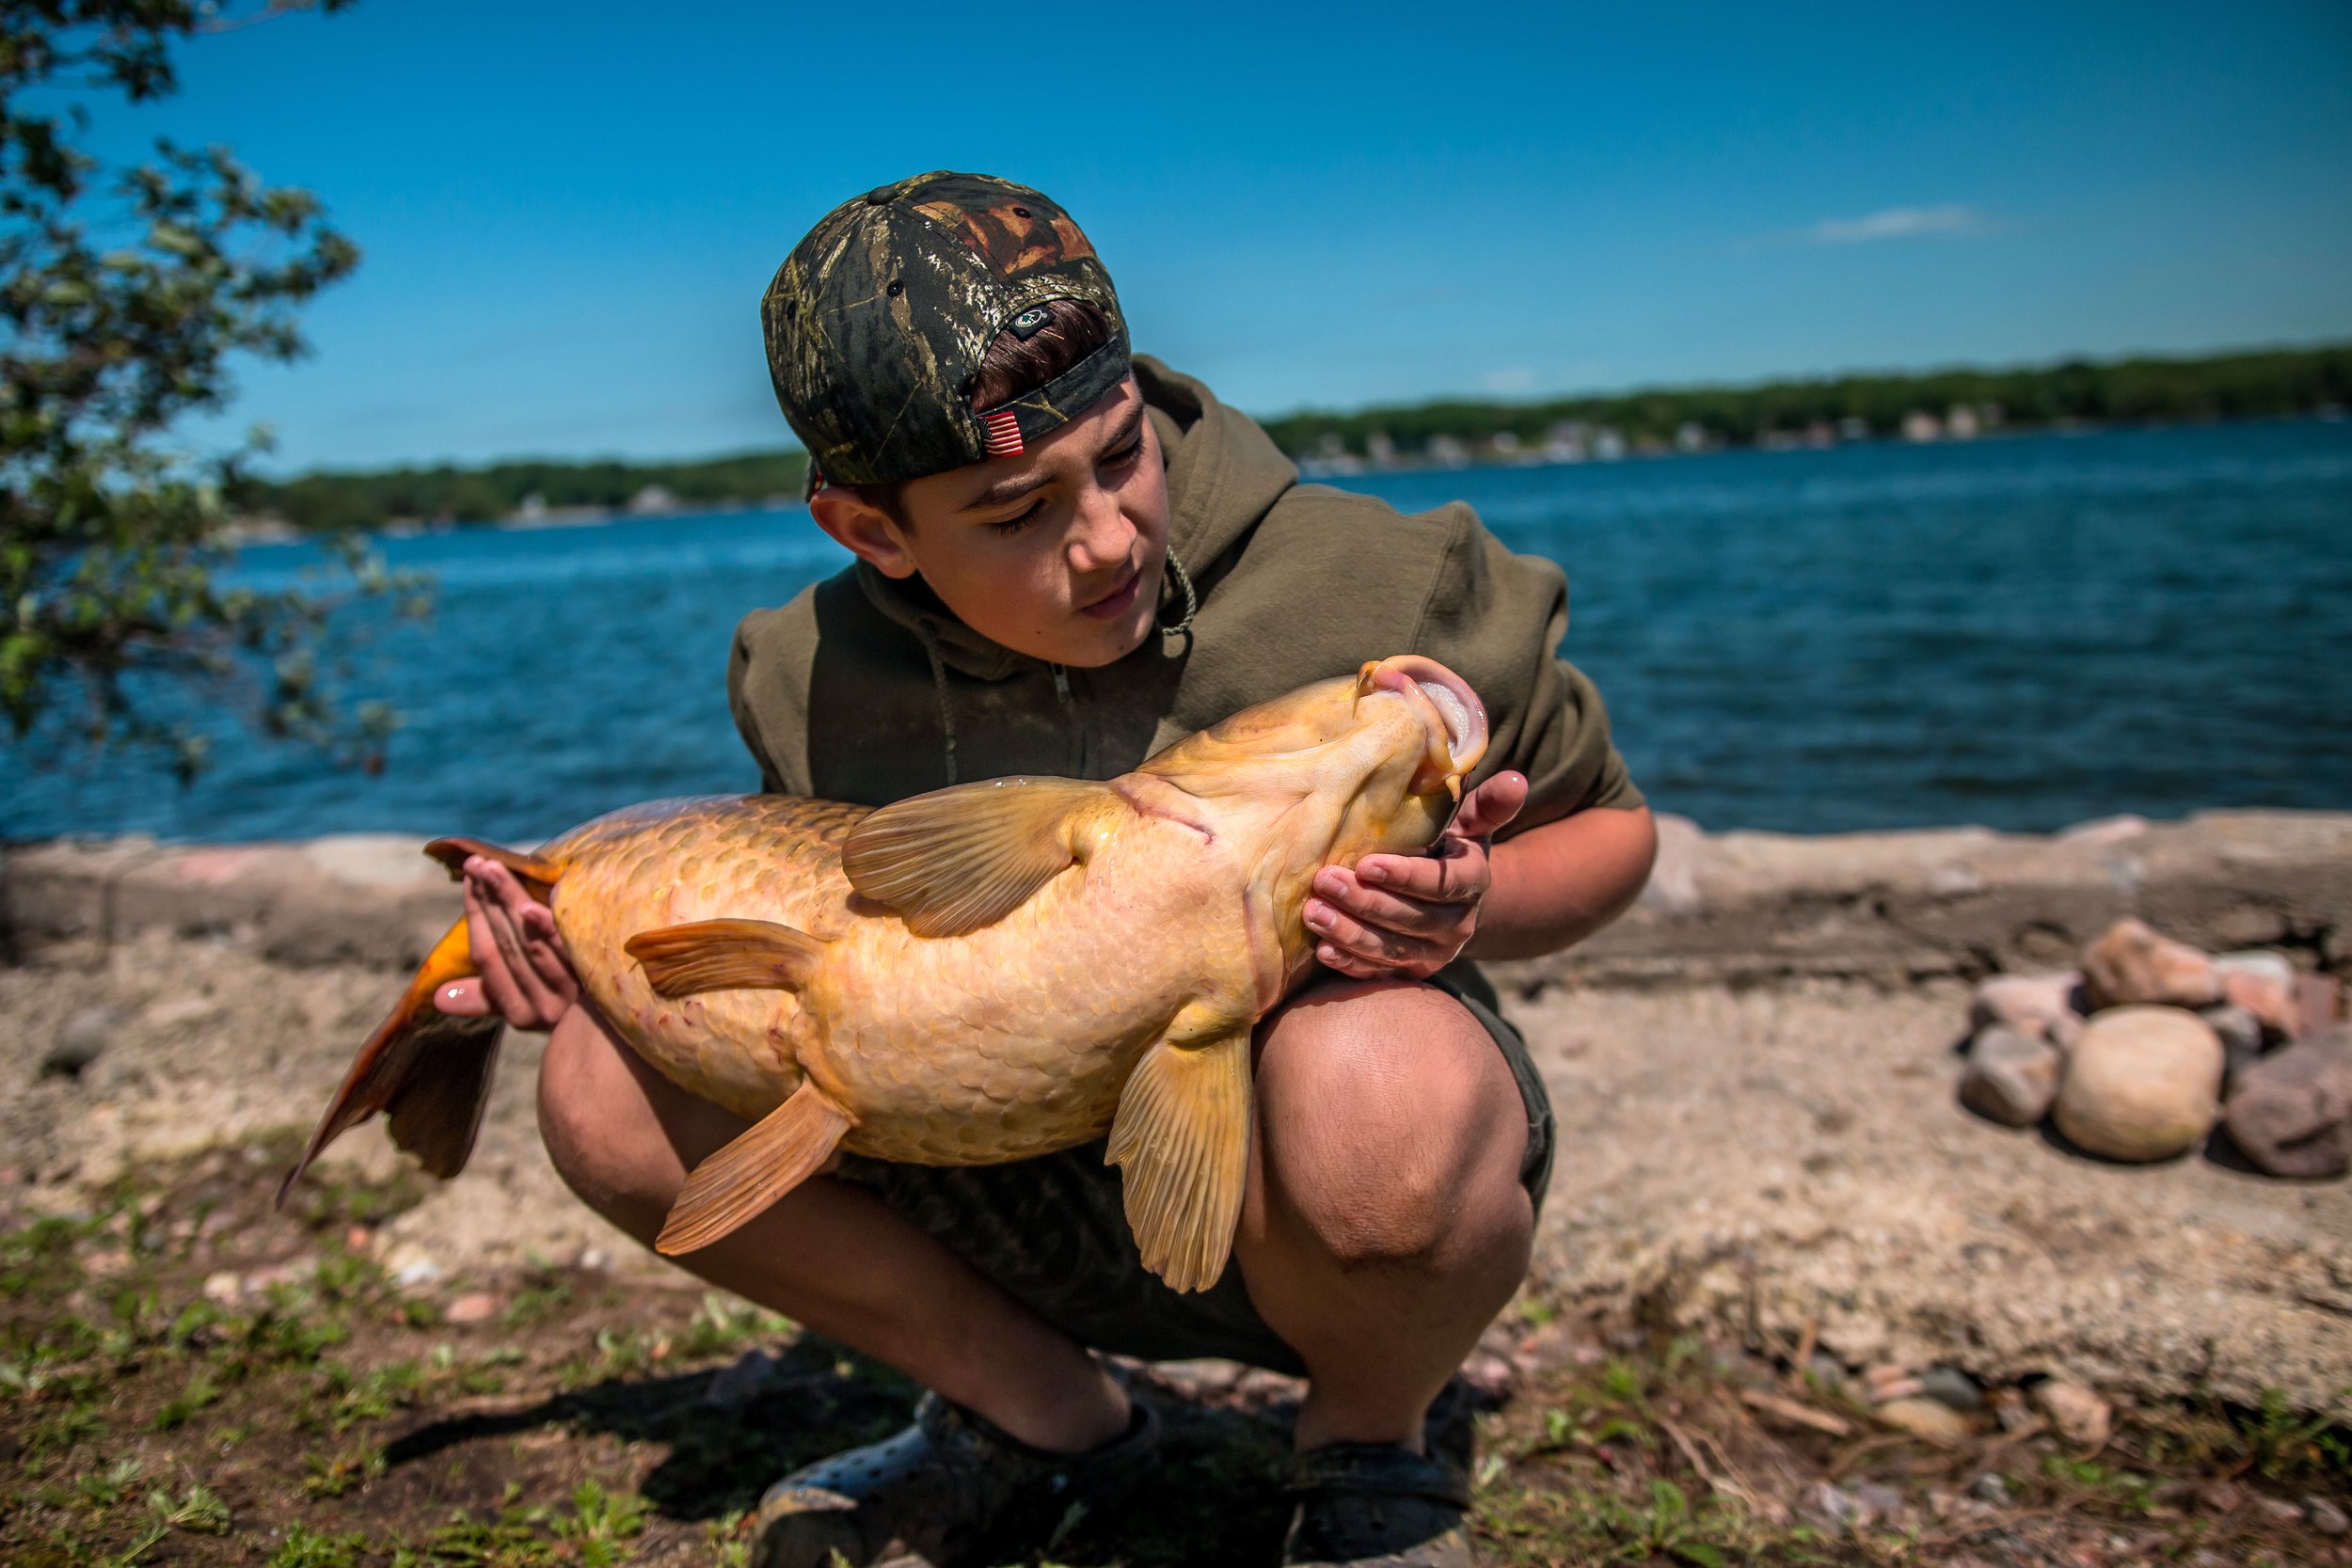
(725, 955)
(430, 1070)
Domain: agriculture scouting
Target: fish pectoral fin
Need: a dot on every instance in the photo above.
(955, 859)
(725, 955)
(782, 1150)
(537, 874)
(1182, 1139)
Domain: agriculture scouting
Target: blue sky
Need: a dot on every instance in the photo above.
(568, 211)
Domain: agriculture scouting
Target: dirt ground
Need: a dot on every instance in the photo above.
(1765, 1197)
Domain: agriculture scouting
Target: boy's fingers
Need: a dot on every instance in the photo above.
(1368, 944)
(464, 998)
(1455, 876)
(544, 945)
(1415, 917)
(1491, 806)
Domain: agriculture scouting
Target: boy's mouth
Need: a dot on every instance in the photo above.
(1117, 602)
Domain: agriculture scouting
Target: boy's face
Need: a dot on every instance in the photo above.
(1056, 553)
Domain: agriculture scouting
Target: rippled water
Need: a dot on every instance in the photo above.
(2024, 633)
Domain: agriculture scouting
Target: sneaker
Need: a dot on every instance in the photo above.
(1375, 1505)
(952, 1489)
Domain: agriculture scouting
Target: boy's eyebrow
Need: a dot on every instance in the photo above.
(1013, 489)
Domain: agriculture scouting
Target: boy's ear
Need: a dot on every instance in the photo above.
(863, 529)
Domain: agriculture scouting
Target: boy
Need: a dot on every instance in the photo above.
(1067, 558)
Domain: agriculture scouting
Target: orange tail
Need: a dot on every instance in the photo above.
(430, 1069)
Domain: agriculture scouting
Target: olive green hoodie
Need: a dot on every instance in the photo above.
(868, 689)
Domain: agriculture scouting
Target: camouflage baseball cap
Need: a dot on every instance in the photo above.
(878, 322)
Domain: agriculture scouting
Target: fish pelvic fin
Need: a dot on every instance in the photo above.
(725, 955)
(536, 874)
(429, 1070)
(1181, 1141)
(957, 860)
(784, 1148)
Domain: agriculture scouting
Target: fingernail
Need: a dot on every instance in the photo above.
(1371, 874)
(1318, 915)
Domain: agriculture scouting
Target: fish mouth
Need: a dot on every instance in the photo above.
(1461, 718)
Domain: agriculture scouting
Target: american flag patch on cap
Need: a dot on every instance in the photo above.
(1004, 433)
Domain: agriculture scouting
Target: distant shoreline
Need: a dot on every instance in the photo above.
(267, 530)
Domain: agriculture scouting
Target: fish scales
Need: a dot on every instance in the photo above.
(984, 974)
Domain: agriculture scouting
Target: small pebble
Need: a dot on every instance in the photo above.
(1990, 1487)
(1950, 1385)
(2220, 1497)
(81, 1042)
(416, 1272)
(1878, 1502)
(2010, 1077)
(2132, 962)
(222, 1289)
(1925, 1419)
(1832, 1505)
(2277, 1510)
(2328, 1517)
(474, 1306)
(2011, 1410)
(2080, 1417)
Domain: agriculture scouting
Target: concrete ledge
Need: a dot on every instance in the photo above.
(1737, 907)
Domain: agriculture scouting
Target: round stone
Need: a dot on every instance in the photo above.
(2141, 1084)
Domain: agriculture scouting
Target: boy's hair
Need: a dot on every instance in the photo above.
(1014, 366)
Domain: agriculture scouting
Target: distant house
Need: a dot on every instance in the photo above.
(1920, 425)
(652, 501)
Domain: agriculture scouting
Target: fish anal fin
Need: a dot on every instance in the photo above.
(955, 859)
(782, 1150)
(1181, 1141)
(535, 873)
(725, 955)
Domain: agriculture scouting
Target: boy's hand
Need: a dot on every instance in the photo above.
(1408, 916)
(526, 977)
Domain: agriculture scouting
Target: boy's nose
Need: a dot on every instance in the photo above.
(1104, 535)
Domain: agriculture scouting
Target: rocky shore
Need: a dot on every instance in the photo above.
(1757, 1074)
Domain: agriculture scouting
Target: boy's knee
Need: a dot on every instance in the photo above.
(601, 1134)
(1391, 1129)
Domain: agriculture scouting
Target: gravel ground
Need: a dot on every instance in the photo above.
(1788, 1161)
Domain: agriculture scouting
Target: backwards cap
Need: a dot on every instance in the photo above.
(878, 321)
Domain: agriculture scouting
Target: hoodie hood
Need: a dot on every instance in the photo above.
(1223, 474)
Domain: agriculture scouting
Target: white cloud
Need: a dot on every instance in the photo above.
(1897, 223)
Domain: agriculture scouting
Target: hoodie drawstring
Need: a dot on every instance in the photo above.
(1183, 586)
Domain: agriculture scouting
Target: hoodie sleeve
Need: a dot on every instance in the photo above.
(1496, 619)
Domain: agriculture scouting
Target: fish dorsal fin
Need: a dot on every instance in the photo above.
(536, 871)
(725, 955)
(955, 859)
(732, 1187)
(1181, 1141)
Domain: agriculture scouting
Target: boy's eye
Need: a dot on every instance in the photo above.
(1019, 520)
(1127, 454)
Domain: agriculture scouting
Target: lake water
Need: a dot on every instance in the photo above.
(2026, 633)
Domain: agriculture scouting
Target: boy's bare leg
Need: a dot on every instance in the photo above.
(828, 1255)
(1384, 1225)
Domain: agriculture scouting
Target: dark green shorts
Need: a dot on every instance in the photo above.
(1053, 1232)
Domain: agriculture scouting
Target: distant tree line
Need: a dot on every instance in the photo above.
(2221, 387)
(445, 493)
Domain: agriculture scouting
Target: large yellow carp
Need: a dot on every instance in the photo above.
(981, 974)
